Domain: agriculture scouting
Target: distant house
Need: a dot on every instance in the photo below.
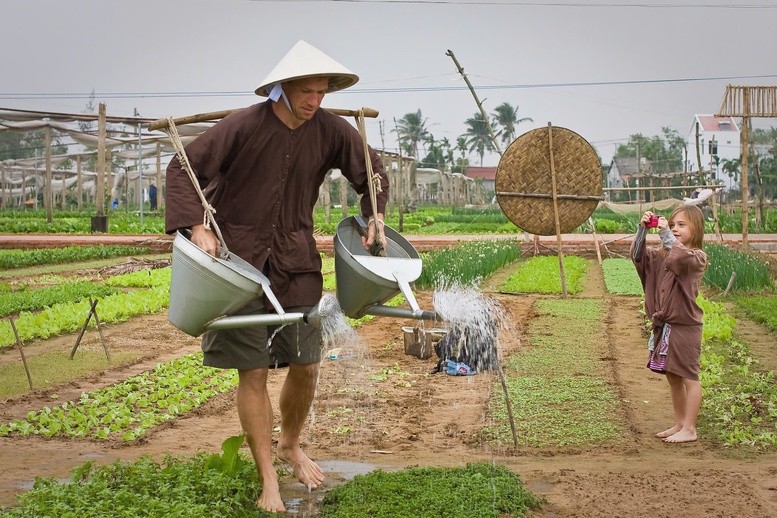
(625, 169)
(718, 141)
(487, 174)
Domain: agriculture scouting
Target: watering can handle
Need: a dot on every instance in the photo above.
(362, 227)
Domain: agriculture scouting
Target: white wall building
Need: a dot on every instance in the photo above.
(718, 137)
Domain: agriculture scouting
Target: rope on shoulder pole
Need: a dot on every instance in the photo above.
(373, 181)
(208, 219)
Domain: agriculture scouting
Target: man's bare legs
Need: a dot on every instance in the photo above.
(256, 416)
(686, 401)
(295, 400)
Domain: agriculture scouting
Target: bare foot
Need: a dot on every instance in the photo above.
(669, 432)
(307, 471)
(682, 436)
(270, 500)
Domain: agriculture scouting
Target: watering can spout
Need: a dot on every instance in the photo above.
(313, 317)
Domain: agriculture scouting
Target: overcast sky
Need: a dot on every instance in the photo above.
(605, 69)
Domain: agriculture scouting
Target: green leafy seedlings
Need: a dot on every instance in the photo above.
(762, 309)
(541, 274)
(620, 277)
(142, 278)
(69, 317)
(31, 300)
(130, 407)
(179, 486)
(558, 388)
(477, 490)
(21, 258)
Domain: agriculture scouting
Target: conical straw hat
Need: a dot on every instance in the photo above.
(305, 60)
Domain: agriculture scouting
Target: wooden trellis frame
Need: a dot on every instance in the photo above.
(747, 102)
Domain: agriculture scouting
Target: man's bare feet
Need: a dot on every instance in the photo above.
(669, 432)
(682, 436)
(306, 471)
(270, 499)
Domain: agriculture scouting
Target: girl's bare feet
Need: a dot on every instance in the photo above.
(669, 432)
(682, 436)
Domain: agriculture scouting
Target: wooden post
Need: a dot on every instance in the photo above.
(21, 352)
(744, 188)
(555, 213)
(79, 185)
(48, 190)
(596, 240)
(159, 185)
(99, 200)
(343, 183)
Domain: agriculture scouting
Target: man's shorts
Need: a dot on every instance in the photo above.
(247, 347)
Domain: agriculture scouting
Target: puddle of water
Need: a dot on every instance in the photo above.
(301, 502)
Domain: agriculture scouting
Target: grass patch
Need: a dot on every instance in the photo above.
(477, 490)
(541, 275)
(620, 277)
(556, 388)
(53, 367)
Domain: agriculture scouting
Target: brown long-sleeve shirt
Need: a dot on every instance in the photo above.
(671, 279)
(263, 180)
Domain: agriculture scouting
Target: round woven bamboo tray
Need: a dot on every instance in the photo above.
(524, 180)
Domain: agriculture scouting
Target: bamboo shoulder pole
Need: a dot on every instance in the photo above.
(213, 116)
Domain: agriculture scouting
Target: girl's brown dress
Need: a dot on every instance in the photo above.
(670, 279)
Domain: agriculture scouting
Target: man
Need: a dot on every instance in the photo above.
(261, 168)
(152, 196)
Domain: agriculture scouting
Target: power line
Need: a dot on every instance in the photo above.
(521, 3)
(356, 90)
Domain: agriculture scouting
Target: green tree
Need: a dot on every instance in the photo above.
(435, 156)
(506, 119)
(665, 151)
(477, 136)
(412, 130)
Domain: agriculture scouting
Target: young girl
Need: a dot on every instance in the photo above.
(670, 275)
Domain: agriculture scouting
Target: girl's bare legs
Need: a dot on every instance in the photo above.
(686, 401)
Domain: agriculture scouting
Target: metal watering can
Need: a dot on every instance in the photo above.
(204, 289)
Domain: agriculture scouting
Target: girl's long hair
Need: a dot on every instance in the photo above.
(696, 220)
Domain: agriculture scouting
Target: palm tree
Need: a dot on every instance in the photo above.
(412, 130)
(477, 135)
(506, 118)
(732, 168)
(461, 163)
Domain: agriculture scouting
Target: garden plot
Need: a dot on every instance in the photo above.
(388, 411)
